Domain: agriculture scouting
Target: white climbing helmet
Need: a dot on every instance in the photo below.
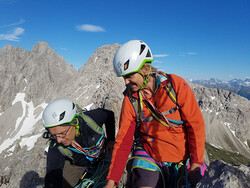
(131, 56)
(58, 112)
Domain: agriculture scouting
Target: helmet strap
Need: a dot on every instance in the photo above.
(145, 78)
(77, 129)
(76, 126)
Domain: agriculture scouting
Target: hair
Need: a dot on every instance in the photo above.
(153, 70)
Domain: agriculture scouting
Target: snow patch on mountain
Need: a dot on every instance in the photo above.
(212, 97)
(88, 107)
(218, 147)
(246, 143)
(30, 141)
(25, 123)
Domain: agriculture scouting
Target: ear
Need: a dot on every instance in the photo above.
(145, 69)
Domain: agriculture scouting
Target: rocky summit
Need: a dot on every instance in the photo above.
(31, 79)
(219, 174)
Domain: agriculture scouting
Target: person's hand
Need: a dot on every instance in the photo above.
(110, 184)
(194, 173)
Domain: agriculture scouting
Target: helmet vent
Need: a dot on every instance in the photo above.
(126, 65)
(73, 106)
(148, 54)
(143, 46)
(62, 116)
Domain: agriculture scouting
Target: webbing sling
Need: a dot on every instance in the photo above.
(157, 114)
(171, 93)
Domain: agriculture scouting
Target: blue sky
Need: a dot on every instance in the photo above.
(195, 39)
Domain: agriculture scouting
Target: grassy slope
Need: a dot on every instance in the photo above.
(227, 156)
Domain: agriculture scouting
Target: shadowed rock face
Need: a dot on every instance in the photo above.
(31, 79)
(221, 174)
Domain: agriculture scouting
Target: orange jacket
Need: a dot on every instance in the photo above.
(170, 144)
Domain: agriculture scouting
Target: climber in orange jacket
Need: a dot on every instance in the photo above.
(170, 131)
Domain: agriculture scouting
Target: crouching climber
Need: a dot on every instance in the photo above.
(77, 140)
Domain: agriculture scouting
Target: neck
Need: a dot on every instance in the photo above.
(150, 87)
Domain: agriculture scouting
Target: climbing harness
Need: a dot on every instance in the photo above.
(174, 173)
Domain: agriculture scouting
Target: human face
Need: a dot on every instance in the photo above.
(63, 134)
(134, 80)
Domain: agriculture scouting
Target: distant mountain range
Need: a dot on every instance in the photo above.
(237, 86)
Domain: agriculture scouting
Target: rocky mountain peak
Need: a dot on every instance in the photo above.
(42, 47)
(106, 53)
(35, 71)
(11, 49)
(7, 48)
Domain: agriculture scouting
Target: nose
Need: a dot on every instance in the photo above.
(59, 139)
(126, 80)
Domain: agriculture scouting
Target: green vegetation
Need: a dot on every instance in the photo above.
(227, 156)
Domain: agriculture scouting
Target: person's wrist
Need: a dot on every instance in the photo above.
(110, 184)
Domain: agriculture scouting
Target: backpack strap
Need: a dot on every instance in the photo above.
(171, 93)
(169, 88)
(135, 103)
(66, 152)
(90, 122)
